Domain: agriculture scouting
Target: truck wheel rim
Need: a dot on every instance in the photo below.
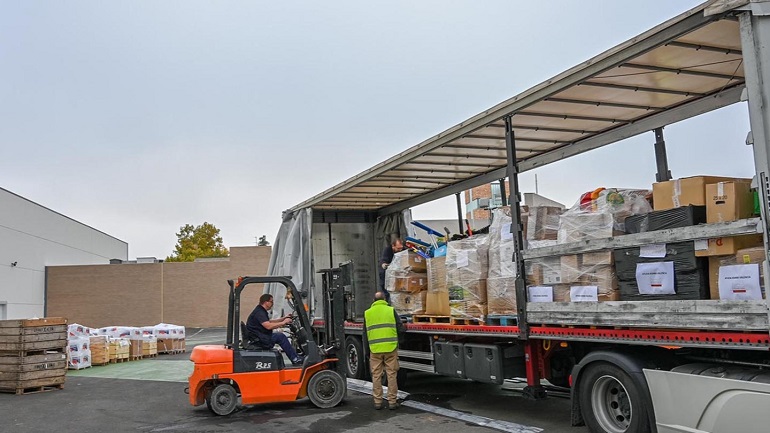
(611, 405)
(352, 359)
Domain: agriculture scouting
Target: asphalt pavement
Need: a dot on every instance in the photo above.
(148, 396)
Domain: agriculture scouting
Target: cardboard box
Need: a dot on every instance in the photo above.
(437, 303)
(714, 263)
(683, 192)
(574, 267)
(726, 246)
(501, 296)
(410, 261)
(408, 303)
(437, 274)
(543, 223)
(586, 226)
(747, 256)
(544, 271)
(729, 201)
(411, 283)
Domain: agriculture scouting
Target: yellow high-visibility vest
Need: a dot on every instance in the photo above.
(381, 329)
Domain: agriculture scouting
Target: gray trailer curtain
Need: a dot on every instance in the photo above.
(395, 224)
(292, 256)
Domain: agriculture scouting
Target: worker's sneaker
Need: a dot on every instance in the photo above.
(393, 406)
(298, 360)
(377, 406)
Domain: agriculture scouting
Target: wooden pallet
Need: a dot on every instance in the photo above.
(173, 352)
(118, 360)
(154, 355)
(420, 318)
(502, 320)
(32, 390)
(99, 364)
(465, 321)
(135, 358)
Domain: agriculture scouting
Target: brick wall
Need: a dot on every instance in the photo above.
(191, 294)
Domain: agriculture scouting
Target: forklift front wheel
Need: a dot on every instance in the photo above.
(326, 389)
(222, 400)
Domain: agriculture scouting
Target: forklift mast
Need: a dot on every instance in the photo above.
(338, 306)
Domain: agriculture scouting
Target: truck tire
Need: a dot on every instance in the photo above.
(326, 389)
(611, 400)
(355, 360)
(223, 399)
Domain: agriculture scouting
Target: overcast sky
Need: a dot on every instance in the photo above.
(139, 117)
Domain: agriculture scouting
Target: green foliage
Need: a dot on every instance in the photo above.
(198, 242)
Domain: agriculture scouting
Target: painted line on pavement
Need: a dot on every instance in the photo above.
(504, 426)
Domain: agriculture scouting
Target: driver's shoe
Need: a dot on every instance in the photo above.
(298, 360)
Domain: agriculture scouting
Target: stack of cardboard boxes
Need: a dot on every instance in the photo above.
(407, 281)
(466, 277)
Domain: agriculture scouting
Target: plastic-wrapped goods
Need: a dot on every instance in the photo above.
(602, 215)
(119, 348)
(437, 298)
(501, 280)
(545, 271)
(403, 266)
(79, 361)
(163, 330)
(76, 330)
(543, 223)
(128, 332)
(666, 219)
(78, 352)
(738, 277)
(408, 303)
(411, 283)
(409, 261)
(466, 269)
(150, 347)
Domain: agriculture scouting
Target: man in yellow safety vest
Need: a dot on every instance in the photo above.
(382, 327)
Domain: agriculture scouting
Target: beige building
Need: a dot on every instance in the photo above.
(191, 294)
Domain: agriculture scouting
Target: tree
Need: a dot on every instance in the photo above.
(263, 241)
(198, 242)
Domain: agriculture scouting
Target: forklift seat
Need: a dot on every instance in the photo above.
(249, 342)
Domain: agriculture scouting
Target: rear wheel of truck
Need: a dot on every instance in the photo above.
(611, 401)
(355, 363)
(223, 399)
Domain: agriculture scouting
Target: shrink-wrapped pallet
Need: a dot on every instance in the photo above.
(78, 352)
(602, 215)
(405, 265)
(437, 297)
(467, 268)
(408, 303)
(501, 280)
(589, 270)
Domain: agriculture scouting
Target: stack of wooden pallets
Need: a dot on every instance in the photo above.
(100, 350)
(32, 355)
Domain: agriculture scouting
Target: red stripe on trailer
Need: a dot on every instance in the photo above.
(758, 339)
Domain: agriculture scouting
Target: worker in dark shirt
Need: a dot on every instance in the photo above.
(261, 327)
(387, 256)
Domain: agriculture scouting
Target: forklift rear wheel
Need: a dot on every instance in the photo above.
(354, 357)
(326, 389)
(223, 399)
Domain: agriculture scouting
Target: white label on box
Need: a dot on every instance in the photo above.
(540, 294)
(701, 245)
(584, 293)
(653, 251)
(739, 282)
(505, 232)
(655, 278)
(462, 259)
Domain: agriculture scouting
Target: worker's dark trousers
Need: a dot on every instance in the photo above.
(280, 339)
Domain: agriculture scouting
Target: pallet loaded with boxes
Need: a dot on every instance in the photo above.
(466, 276)
(32, 355)
(406, 280)
(437, 297)
(501, 277)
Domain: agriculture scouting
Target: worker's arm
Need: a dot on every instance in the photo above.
(386, 257)
(276, 323)
(400, 328)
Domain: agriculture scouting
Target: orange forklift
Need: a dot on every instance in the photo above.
(222, 373)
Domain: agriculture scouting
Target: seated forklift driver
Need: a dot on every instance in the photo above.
(261, 326)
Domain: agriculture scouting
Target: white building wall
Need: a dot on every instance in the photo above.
(33, 237)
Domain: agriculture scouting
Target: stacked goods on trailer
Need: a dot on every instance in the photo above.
(501, 277)
(739, 277)
(437, 297)
(466, 274)
(541, 225)
(588, 277)
(406, 279)
(32, 354)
